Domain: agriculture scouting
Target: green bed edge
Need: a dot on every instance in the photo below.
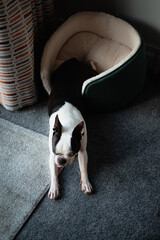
(118, 88)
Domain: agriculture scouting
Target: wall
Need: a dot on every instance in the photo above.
(65, 8)
(144, 14)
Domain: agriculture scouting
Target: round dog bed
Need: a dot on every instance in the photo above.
(111, 46)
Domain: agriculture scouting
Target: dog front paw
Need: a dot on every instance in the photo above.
(54, 192)
(86, 187)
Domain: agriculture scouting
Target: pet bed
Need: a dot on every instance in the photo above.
(111, 46)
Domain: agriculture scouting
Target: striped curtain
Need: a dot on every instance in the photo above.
(24, 26)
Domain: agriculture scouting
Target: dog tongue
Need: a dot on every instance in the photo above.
(59, 165)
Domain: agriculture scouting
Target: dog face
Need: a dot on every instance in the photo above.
(66, 144)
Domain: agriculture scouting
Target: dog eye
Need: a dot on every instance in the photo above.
(58, 154)
(70, 154)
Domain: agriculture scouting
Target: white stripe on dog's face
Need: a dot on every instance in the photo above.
(63, 151)
(63, 146)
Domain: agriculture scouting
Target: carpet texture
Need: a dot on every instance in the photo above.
(24, 175)
(124, 169)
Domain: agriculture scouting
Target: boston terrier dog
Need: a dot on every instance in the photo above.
(68, 133)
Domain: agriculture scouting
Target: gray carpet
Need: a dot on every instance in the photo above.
(24, 175)
(124, 169)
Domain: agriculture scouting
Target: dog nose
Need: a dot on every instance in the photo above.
(62, 161)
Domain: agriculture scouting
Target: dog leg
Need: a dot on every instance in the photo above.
(83, 160)
(54, 188)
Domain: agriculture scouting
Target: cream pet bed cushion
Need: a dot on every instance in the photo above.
(109, 44)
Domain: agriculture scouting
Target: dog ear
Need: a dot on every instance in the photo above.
(78, 131)
(77, 134)
(57, 125)
(57, 130)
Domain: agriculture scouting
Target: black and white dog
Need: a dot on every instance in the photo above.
(68, 133)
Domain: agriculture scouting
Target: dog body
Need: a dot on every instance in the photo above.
(69, 145)
(68, 133)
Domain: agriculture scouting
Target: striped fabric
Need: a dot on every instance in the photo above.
(22, 28)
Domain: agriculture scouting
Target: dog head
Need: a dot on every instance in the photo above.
(66, 144)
